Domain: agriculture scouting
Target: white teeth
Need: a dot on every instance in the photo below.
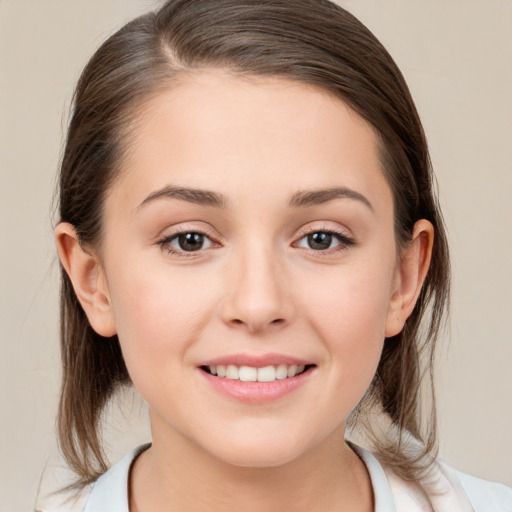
(266, 374)
(232, 372)
(252, 374)
(292, 370)
(248, 374)
(281, 372)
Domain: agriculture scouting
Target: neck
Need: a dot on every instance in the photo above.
(175, 474)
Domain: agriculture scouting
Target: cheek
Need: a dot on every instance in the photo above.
(157, 313)
(352, 300)
(348, 309)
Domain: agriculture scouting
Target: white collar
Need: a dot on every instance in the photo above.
(448, 489)
(110, 492)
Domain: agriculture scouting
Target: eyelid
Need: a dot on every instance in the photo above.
(324, 227)
(164, 240)
(346, 240)
(343, 236)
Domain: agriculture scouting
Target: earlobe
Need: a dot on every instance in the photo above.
(411, 273)
(88, 279)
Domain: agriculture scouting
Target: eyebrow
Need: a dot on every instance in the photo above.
(316, 197)
(192, 195)
(299, 199)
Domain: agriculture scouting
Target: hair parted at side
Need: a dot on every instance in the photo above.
(314, 42)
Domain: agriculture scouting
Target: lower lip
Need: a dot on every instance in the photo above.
(256, 392)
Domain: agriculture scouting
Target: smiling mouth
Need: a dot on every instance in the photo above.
(253, 374)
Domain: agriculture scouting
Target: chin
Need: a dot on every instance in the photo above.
(263, 452)
(257, 458)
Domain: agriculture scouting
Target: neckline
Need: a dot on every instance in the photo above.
(382, 494)
(110, 491)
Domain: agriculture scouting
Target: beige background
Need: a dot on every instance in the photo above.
(457, 58)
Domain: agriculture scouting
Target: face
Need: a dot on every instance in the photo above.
(250, 232)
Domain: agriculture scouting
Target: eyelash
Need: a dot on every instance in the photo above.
(165, 242)
(344, 242)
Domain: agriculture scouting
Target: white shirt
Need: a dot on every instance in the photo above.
(453, 491)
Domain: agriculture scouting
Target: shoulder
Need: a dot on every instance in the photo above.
(109, 493)
(485, 496)
(64, 501)
(59, 492)
(449, 490)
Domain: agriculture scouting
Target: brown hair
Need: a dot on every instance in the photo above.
(309, 41)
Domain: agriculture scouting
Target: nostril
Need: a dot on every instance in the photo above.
(275, 321)
(257, 322)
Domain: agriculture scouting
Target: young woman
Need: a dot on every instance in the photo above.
(249, 235)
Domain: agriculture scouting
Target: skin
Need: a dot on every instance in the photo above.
(257, 286)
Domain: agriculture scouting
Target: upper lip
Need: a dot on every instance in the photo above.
(256, 360)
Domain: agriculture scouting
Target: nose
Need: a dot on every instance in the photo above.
(257, 297)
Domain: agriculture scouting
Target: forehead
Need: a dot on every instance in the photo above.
(233, 134)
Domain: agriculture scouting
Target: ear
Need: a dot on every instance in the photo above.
(88, 279)
(410, 276)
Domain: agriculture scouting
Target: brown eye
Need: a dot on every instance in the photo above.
(191, 241)
(320, 241)
(325, 240)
